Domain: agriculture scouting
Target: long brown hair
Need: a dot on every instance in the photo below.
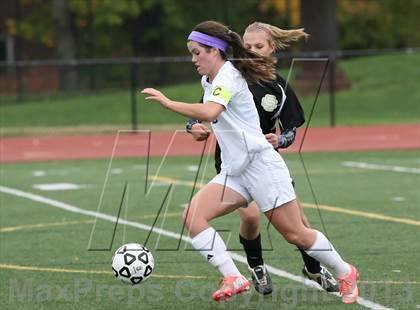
(280, 38)
(254, 68)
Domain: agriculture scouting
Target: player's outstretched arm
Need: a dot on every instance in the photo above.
(205, 112)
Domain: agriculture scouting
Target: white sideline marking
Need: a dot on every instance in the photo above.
(38, 173)
(61, 205)
(192, 168)
(398, 199)
(355, 164)
(56, 186)
(42, 173)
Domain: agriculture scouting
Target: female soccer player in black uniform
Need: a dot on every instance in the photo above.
(276, 102)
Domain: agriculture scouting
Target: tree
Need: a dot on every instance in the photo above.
(319, 20)
(65, 43)
(378, 24)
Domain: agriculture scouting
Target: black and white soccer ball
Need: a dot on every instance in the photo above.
(132, 263)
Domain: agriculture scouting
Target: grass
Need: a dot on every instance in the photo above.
(384, 91)
(383, 250)
(94, 109)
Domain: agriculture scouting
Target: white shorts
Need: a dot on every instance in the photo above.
(266, 180)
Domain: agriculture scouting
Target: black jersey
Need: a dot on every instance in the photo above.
(277, 102)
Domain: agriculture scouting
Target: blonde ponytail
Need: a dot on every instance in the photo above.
(280, 38)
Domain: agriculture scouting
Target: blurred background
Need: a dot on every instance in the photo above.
(78, 65)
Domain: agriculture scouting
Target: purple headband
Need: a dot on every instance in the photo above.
(208, 40)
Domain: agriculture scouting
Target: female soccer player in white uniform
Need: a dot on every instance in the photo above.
(275, 102)
(251, 168)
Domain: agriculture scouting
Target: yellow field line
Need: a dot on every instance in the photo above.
(44, 269)
(42, 225)
(376, 216)
(370, 215)
(175, 181)
(152, 216)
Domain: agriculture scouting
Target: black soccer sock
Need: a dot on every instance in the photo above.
(253, 251)
(312, 265)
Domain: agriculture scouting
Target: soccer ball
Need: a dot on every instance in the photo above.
(132, 263)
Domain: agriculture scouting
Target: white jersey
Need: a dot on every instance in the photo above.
(237, 129)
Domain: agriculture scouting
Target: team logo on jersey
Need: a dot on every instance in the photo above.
(269, 102)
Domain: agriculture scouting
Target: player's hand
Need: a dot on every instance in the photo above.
(273, 139)
(156, 95)
(200, 132)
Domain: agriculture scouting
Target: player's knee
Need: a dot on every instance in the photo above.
(300, 239)
(250, 216)
(295, 238)
(251, 219)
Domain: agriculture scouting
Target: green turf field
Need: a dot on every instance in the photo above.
(382, 239)
(384, 91)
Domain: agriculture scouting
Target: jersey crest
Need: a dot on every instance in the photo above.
(269, 102)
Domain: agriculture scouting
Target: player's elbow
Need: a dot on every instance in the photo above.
(210, 116)
(209, 119)
(211, 110)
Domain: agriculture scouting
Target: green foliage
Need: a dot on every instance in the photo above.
(378, 23)
(34, 25)
(159, 27)
(131, 27)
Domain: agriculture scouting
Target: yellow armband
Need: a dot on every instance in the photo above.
(222, 92)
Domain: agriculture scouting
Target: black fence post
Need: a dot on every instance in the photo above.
(91, 46)
(19, 83)
(332, 88)
(18, 55)
(133, 87)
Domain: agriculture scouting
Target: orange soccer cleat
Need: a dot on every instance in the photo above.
(348, 286)
(232, 285)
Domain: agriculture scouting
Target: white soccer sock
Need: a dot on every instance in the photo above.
(212, 247)
(323, 251)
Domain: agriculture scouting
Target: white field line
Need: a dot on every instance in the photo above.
(355, 164)
(67, 207)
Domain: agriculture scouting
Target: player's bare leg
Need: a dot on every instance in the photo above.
(212, 201)
(286, 219)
